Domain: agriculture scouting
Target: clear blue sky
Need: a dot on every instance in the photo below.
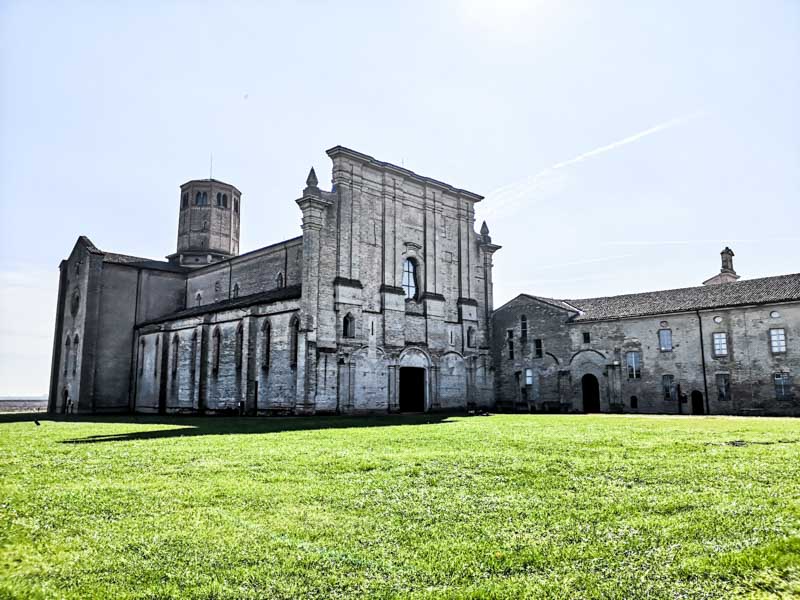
(620, 145)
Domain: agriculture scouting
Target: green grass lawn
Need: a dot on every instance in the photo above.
(505, 506)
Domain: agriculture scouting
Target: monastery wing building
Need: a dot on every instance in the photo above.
(383, 304)
(726, 347)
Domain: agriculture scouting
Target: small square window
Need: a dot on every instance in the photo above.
(720, 344)
(587, 337)
(783, 386)
(723, 387)
(528, 377)
(777, 340)
(665, 340)
(634, 362)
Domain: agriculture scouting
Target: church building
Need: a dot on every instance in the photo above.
(382, 305)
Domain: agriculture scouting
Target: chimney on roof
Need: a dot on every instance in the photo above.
(726, 272)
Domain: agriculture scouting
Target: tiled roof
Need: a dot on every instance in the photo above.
(286, 293)
(766, 290)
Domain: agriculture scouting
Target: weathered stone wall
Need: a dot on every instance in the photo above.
(254, 272)
(558, 374)
(178, 369)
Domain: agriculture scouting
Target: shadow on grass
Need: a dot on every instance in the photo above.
(188, 426)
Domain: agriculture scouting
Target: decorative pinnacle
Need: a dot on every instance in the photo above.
(312, 180)
(484, 229)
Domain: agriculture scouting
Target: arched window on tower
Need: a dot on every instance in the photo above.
(219, 198)
(266, 332)
(349, 326)
(236, 290)
(217, 346)
(523, 329)
(75, 342)
(410, 279)
(239, 346)
(198, 299)
(185, 201)
(205, 199)
(198, 199)
(279, 280)
(67, 354)
(224, 200)
(294, 339)
(236, 205)
(175, 344)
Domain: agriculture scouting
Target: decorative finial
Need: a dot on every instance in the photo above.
(312, 180)
(484, 229)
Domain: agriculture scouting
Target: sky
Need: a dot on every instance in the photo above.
(619, 145)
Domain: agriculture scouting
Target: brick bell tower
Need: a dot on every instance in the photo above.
(208, 223)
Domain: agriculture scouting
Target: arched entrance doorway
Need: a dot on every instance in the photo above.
(697, 402)
(591, 393)
(412, 389)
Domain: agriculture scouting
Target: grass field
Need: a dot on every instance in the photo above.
(505, 506)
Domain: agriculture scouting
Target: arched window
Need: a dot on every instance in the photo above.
(205, 225)
(198, 199)
(198, 299)
(523, 329)
(294, 335)
(224, 200)
(219, 199)
(236, 290)
(266, 332)
(236, 205)
(239, 346)
(75, 342)
(205, 199)
(349, 326)
(67, 354)
(155, 358)
(175, 344)
(471, 337)
(279, 280)
(185, 201)
(216, 349)
(410, 279)
(193, 355)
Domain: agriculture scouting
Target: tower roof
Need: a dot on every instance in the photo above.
(208, 181)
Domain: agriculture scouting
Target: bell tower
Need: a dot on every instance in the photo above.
(208, 223)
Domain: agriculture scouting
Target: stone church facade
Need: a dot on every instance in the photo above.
(384, 304)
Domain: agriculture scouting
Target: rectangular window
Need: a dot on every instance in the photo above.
(783, 386)
(665, 340)
(723, 387)
(510, 349)
(586, 337)
(720, 344)
(634, 362)
(528, 376)
(668, 387)
(538, 348)
(777, 340)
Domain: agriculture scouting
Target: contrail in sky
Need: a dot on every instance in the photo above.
(510, 193)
